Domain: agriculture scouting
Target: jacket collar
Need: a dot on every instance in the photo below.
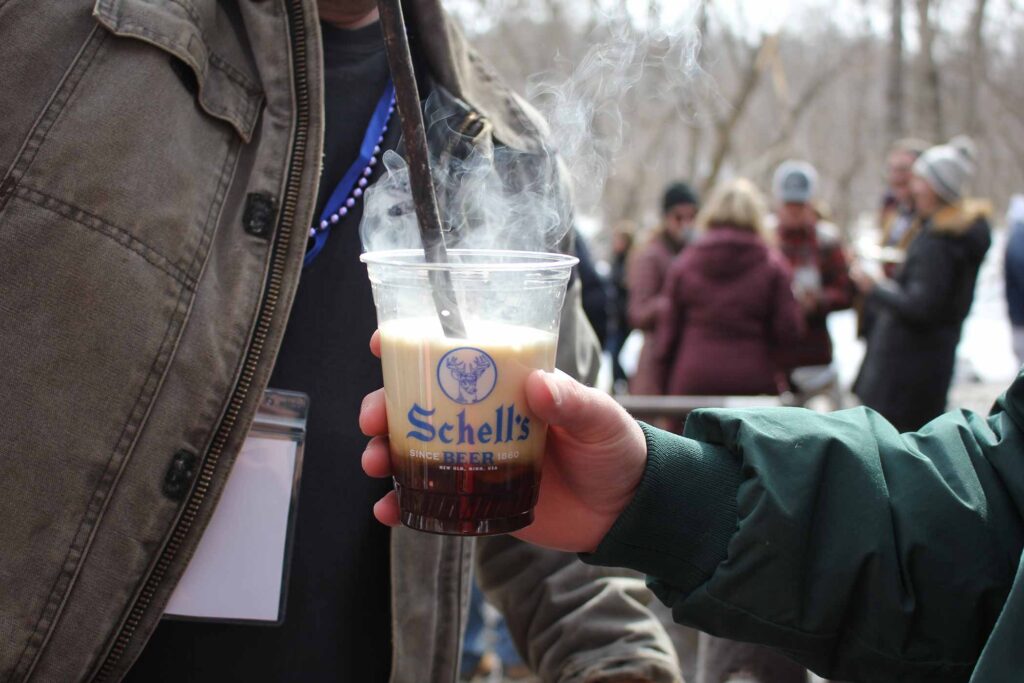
(955, 219)
(463, 72)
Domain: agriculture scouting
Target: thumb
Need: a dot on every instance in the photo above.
(561, 401)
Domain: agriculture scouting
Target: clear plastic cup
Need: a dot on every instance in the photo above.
(465, 448)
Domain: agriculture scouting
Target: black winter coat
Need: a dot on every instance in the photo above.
(912, 345)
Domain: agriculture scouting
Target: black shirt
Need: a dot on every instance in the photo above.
(337, 624)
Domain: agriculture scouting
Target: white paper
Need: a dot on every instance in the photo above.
(237, 569)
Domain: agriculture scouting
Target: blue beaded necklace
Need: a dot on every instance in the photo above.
(353, 184)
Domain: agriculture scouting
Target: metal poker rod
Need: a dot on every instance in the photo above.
(407, 96)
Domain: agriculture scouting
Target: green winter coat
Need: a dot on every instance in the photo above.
(864, 554)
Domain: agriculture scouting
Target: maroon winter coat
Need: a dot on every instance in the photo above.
(731, 304)
(816, 256)
(646, 279)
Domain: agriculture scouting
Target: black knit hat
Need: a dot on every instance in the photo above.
(679, 193)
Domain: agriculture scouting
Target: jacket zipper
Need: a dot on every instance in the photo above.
(471, 125)
(268, 306)
(6, 190)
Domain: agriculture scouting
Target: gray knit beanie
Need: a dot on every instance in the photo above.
(968, 150)
(946, 169)
(794, 181)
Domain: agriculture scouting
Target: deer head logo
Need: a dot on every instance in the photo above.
(466, 366)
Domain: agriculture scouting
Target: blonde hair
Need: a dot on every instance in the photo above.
(738, 204)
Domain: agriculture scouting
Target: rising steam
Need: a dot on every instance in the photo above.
(496, 197)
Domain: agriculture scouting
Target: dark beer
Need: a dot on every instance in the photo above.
(465, 449)
(481, 503)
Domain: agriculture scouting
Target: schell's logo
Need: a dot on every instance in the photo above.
(467, 375)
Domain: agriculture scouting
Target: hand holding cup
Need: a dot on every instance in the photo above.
(594, 460)
(864, 276)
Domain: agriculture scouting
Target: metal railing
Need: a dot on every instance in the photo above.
(648, 407)
(817, 381)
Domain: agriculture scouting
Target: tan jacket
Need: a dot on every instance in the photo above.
(158, 168)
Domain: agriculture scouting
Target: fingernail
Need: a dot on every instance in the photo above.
(556, 395)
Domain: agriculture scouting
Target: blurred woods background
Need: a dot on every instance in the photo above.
(731, 88)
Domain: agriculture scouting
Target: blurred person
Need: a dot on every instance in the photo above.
(1013, 272)
(896, 218)
(815, 252)
(165, 164)
(622, 245)
(897, 214)
(646, 279)
(729, 306)
(911, 348)
(729, 303)
(594, 291)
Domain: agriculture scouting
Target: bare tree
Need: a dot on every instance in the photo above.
(927, 90)
(1013, 106)
(844, 202)
(726, 124)
(976, 62)
(797, 108)
(695, 136)
(837, 97)
(894, 68)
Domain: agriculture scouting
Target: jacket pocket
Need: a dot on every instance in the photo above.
(140, 137)
(227, 86)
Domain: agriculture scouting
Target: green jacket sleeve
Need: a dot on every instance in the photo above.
(863, 553)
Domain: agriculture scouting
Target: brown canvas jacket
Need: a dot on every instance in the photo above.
(158, 168)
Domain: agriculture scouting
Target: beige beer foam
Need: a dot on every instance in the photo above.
(411, 350)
